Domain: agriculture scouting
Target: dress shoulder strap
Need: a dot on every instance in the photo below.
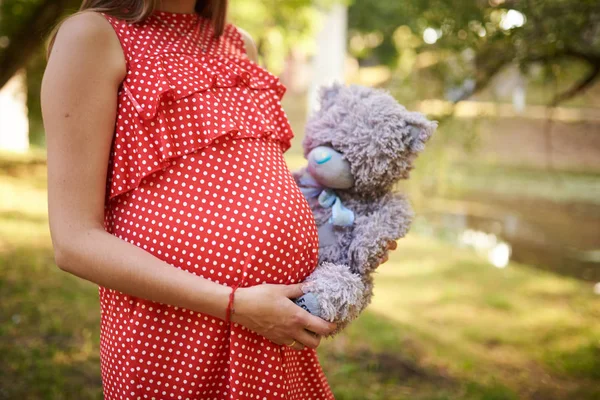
(123, 30)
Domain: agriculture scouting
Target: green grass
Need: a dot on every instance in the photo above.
(465, 330)
(443, 323)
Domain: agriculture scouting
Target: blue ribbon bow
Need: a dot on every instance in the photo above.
(340, 215)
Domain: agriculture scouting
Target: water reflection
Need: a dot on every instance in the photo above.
(566, 246)
(495, 250)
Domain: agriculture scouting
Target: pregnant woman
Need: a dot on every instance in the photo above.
(168, 188)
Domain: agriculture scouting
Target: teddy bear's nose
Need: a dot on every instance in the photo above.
(322, 156)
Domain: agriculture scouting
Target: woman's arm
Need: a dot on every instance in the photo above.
(79, 105)
(249, 45)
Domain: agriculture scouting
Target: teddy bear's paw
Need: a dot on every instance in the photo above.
(338, 291)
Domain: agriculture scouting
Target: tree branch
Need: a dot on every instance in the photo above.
(485, 75)
(590, 58)
(578, 87)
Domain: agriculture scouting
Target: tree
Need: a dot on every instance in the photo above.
(475, 39)
(275, 25)
(23, 27)
(25, 24)
(471, 40)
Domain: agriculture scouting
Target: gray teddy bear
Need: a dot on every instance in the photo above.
(358, 145)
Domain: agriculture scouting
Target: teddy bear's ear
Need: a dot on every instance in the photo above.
(420, 133)
(328, 94)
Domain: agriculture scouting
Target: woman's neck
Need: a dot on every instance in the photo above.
(177, 6)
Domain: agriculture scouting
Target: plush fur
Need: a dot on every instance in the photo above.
(373, 140)
(377, 136)
(349, 288)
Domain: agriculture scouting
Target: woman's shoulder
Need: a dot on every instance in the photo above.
(245, 41)
(249, 44)
(87, 24)
(95, 27)
(86, 34)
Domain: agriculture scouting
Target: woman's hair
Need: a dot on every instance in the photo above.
(138, 10)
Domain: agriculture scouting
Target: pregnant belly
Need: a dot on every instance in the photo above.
(231, 213)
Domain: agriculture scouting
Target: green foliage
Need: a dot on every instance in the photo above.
(12, 13)
(278, 26)
(35, 70)
(475, 39)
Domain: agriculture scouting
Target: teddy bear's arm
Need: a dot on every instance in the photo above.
(386, 220)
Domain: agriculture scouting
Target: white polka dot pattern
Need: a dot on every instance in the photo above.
(221, 206)
(177, 98)
(230, 212)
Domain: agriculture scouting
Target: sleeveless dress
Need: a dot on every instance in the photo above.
(197, 178)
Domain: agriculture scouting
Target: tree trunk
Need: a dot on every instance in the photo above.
(31, 33)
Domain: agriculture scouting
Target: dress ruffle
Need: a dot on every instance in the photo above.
(164, 72)
(183, 104)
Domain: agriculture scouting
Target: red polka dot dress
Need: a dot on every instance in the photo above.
(197, 178)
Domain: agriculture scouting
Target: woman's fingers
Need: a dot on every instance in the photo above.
(305, 320)
(308, 339)
(302, 339)
(296, 345)
(293, 291)
(392, 245)
(289, 341)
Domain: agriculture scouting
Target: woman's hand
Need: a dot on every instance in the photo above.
(391, 246)
(267, 310)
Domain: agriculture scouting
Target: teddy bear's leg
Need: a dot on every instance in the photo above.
(332, 292)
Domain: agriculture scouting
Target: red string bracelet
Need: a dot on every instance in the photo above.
(230, 309)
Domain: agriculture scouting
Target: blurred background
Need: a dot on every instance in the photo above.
(495, 292)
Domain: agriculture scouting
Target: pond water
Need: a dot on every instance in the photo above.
(562, 238)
